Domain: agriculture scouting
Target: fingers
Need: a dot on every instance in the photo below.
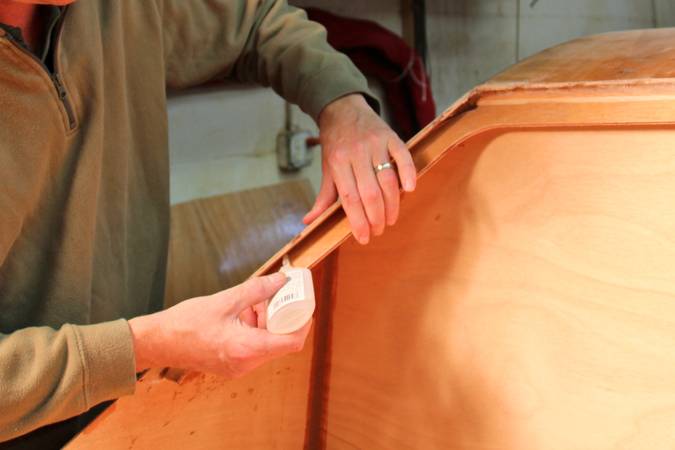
(370, 192)
(406, 167)
(327, 196)
(354, 140)
(255, 290)
(349, 194)
(388, 181)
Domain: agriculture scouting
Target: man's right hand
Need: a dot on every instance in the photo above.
(207, 334)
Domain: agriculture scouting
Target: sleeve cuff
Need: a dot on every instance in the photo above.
(109, 366)
(332, 83)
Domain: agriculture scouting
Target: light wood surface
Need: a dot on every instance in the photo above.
(217, 242)
(264, 410)
(534, 309)
(525, 300)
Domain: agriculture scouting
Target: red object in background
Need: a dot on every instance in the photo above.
(383, 55)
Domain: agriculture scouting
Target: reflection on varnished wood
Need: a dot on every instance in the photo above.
(218, 242)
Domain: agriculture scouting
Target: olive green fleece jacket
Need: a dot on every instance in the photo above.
(84, 176)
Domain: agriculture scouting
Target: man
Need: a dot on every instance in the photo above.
(84, 197)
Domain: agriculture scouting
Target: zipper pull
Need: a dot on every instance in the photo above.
(63, 95)
(59, 86)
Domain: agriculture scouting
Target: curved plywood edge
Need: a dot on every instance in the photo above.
(596, 70)
(649, 104)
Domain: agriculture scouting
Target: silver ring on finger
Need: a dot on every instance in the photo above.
(384, 166)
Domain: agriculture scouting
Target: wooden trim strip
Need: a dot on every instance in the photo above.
(327, 233)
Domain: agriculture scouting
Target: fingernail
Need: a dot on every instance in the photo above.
(409, 185)
(363, 240)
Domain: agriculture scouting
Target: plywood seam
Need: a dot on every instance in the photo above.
(320, 372)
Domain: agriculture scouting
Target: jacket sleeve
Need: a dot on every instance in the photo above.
(49, 375)
(263, 41)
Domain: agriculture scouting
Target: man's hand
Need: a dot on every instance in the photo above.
(206, 334)
(354, 140)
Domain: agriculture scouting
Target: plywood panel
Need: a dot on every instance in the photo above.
(526, 300)
(264, 410)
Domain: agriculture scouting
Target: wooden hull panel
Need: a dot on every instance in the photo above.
(526, 300)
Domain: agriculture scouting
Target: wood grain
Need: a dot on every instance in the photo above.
(526, 300)
(218, 242)
(264, 410)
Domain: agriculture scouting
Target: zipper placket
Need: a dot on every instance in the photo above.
(53, 75)
(63, 95)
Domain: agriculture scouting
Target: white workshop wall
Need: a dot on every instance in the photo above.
(472, 40)
(469, 41)
(549, 22)
(664, 12)
(223, 140)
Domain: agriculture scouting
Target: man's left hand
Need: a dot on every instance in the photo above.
(354, 140)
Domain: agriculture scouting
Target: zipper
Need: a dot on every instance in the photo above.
(63, 95)
(54, 76)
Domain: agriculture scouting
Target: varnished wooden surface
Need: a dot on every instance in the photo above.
(218, 242)
(526, 300)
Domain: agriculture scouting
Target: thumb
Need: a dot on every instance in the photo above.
(256, 290)
(327, 196)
